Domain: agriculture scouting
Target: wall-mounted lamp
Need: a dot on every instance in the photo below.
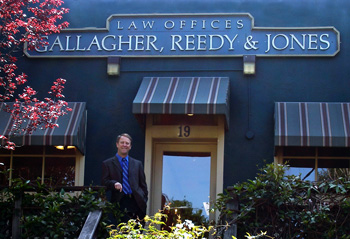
(61, 147)
(249, 64)
(113, 66)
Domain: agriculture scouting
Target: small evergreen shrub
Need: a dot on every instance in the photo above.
(288, 207)
(49, 214)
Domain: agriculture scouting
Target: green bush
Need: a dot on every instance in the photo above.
(49, 214)
(153, 229)
(288, 207)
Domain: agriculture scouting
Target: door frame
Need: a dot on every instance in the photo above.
(160, 138)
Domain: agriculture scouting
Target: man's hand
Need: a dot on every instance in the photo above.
(118, 186)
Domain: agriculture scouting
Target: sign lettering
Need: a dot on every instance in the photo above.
(189, 35)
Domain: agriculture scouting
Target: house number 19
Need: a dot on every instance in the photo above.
(184, 131)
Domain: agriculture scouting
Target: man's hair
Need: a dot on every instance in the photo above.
(125, 135)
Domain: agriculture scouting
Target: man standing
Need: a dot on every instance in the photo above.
(125, 177)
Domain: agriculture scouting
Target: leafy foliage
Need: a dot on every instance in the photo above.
(27, 22)
(135, 229)
(288, 207)
(49, 214)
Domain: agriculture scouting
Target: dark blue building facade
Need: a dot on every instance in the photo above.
(249, 135)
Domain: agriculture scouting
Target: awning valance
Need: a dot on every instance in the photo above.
(71, 130)
(183, 95)
(312, 124)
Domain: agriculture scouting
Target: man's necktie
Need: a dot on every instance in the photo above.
(126, 185)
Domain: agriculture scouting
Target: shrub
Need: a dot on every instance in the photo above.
(49, 214)
(288, 207)
(153, 229)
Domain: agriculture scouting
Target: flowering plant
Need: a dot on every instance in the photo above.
(27, 22)
(153, 229)
(260, 235)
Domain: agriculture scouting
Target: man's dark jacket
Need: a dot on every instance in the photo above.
(112, 172)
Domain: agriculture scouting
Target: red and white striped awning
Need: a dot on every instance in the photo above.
(183, 95)
(312, 124)
(71, 130)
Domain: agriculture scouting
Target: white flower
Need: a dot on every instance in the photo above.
(187, 236)
(180, 226)
(189, 224)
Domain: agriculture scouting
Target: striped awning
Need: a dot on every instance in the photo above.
(183, 95)
(312, 124)
(71, 130)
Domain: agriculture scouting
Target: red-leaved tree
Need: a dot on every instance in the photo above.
(25, 22)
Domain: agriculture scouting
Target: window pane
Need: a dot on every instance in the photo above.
(307, 174)
(333, 169)
(5, 151)
(4, 165)
(302, 167)
(333, 163)
(186, 183)
(27, 168)
(306, 163)
(334, 151)
(59, 171)
(29, 150)
(299, 151)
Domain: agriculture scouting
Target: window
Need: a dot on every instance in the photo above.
(50, 165)
(315, 163)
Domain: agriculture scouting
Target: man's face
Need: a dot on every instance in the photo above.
(123, 146)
